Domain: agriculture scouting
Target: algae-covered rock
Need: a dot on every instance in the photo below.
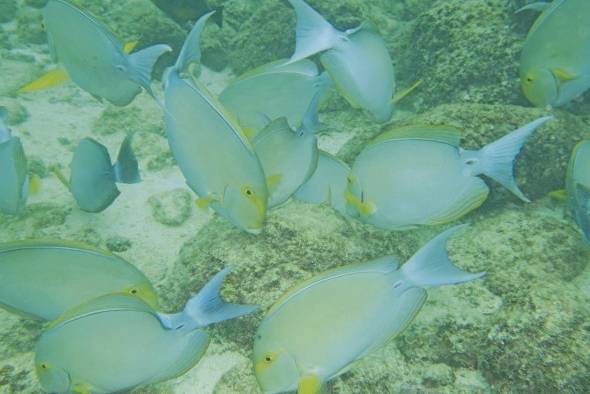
(8, 10)
(464, 51)
(171, 208)
(541, 166)
(466, 335)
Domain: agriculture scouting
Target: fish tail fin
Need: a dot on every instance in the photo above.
(207, 307)
(48, 80)
(430, 266)
(311, 119)
(582, 213)
(126, 169)
(143, 61)
(34, 184)
(191, 49)
(313, 32)
(217, 18)
(497, 158)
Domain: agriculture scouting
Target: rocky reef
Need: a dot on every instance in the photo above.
(524, 327)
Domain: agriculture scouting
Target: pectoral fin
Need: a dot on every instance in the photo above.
(406, 92)
(564, 75)
(205, 202)
(50, 79)
(81, 388)
(272, 181)
(559, 195)
(309, 384)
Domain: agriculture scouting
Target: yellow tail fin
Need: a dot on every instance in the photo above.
(34, 184)
(310, 384)
(50, 79)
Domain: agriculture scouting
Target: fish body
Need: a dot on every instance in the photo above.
(93, 179)
(319, 329)
(357, 60)
(578, 187)
(118, 342)
(44, 279)
(95, 60)
(555, 65)
(418, 175)
(327, 184)
(214, 155)
(273, 91)
(14, 181)
(288, 159)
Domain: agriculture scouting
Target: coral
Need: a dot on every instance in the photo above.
(8, 10)
(460, 58)
(171, 208)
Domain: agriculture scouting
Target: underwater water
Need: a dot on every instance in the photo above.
(522, 328)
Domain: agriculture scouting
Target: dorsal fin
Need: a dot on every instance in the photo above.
(444, 134)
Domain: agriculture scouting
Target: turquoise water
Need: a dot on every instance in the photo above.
(524, 327)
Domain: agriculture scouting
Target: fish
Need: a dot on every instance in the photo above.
(42, 279)
(323, 326)
(93, 179)
(274, 90)
(419, 175)
(357, 60)
(184, 11)
(327, 184)
(217, 160)
(95, 60)
(554, 65)
(118, 342)
(14, 180)
(288, 157)
(578, 187)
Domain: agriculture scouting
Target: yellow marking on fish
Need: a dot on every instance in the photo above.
(404, 93)
(129, 46)
(249, 132)
(60, 176)
(564, 75)
(559, 195)
(365, 208)
(81, 388)
(34, 184)
(309, 384)
(48, 80)
(272, 181)
(204, 202)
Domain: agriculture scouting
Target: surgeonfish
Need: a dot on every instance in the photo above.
(43, 279)
(183, 11)
(118, 342)
(327, 184)
(14, 181)
(578, 187)
(419, 175)
(357, 60)
(93, 58)
(288, 157)
(93, 179)
(555, 65)
(217, 160)
(319, 329)
(274, 90)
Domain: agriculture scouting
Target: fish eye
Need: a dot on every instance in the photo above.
(247, 191)
(350, 179)
(470, 162)
(529, 79)
(44, 366)
(268, 358)
(133, 291)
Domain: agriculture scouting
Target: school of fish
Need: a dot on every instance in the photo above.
(244, 152)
